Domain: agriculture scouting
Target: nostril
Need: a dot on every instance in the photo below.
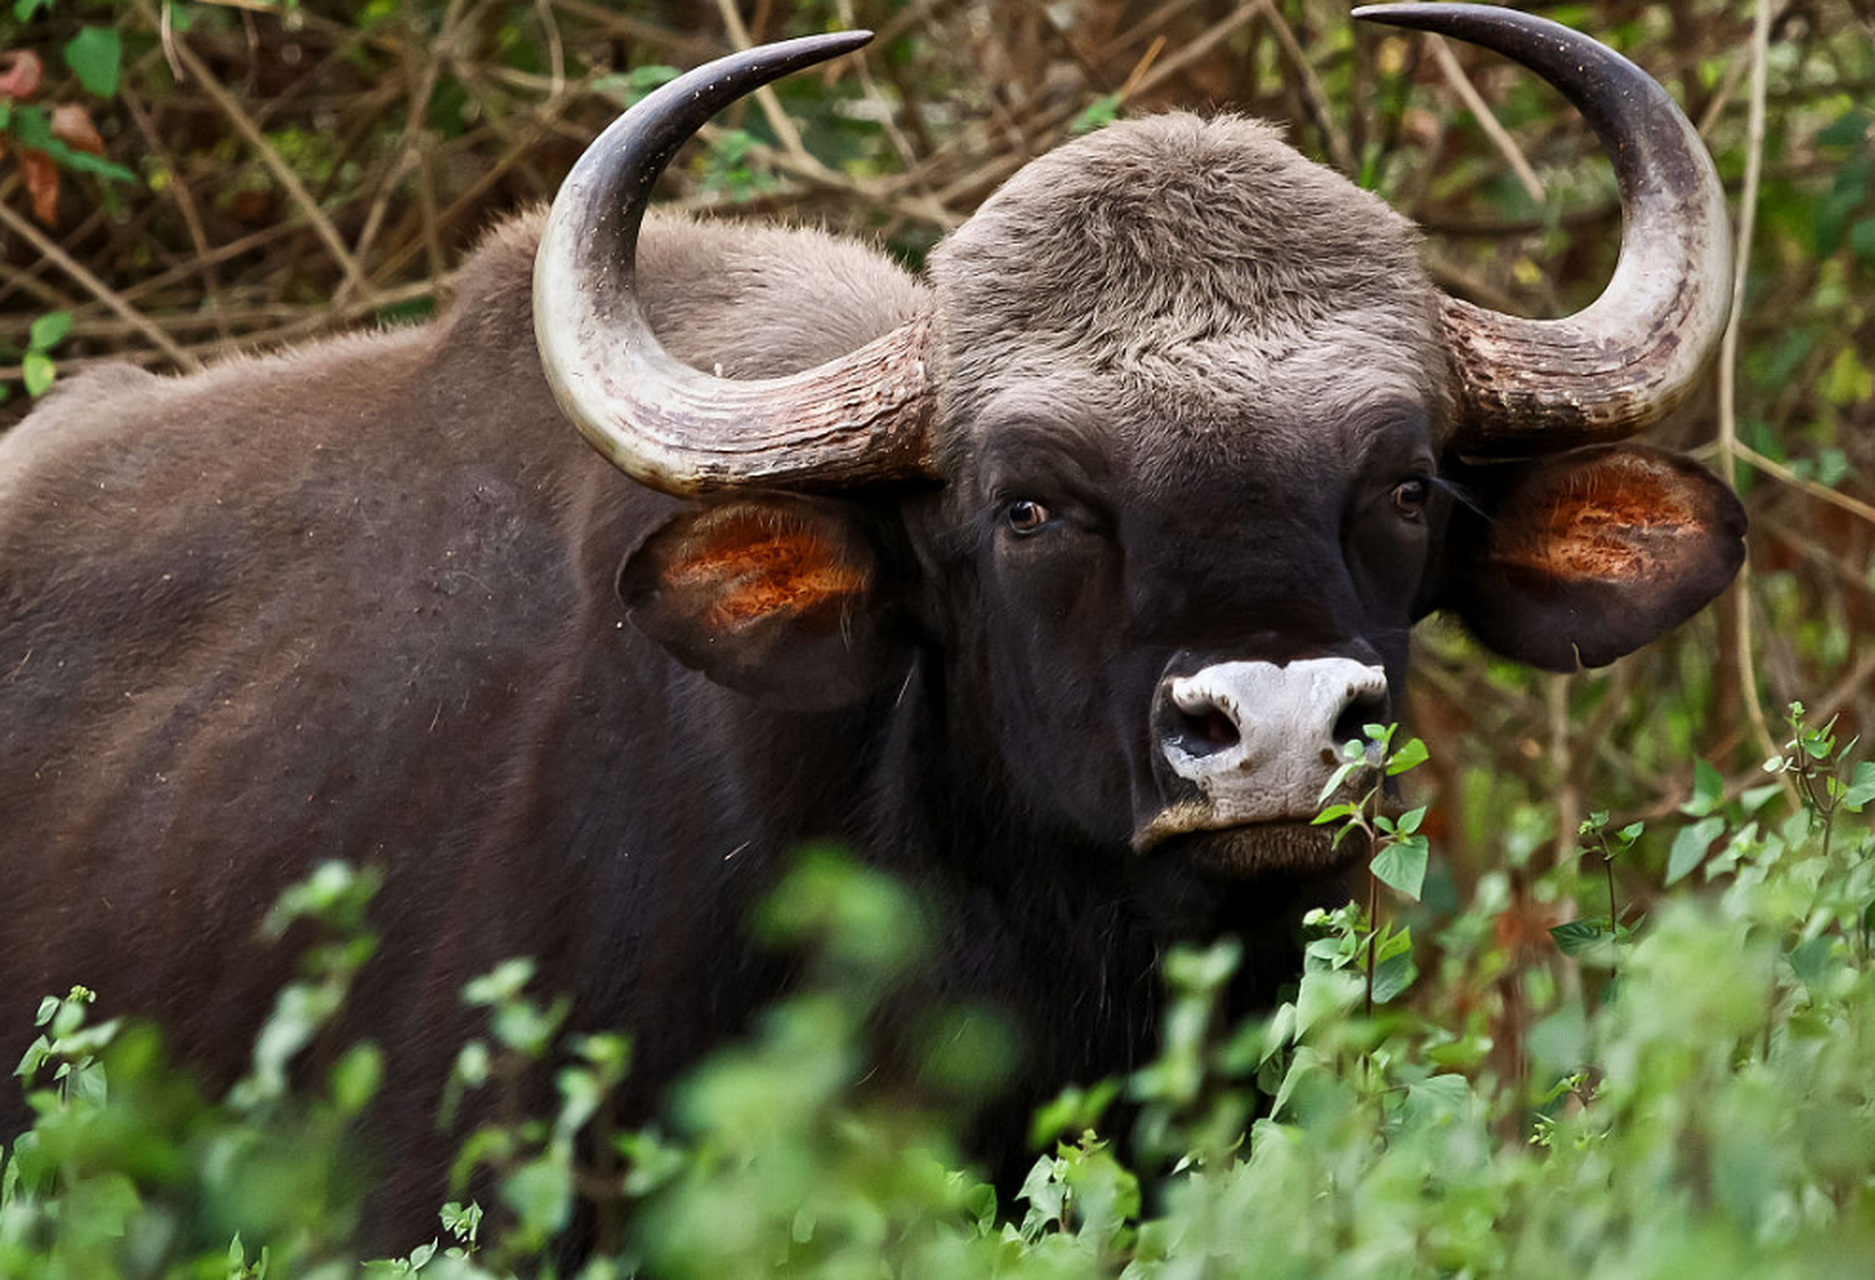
(1205, 731)
(1364, 707)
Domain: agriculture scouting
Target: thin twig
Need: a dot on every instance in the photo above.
(1854, 682)
(282, 172)
(1487, 119)
(1821, 492)
(685, 45)
(11, 277)
(96, 287)
(180, 193)
(1137, 76)
(524, 140)
(1722, 96)
(556, 50)
(772, 110)
(1562, 765)
(1339, 152)
(1728, 381)
(1156, 18)
(166, 37)
(415, 136)
(1205, 41)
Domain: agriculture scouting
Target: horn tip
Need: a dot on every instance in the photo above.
(838, 42)
(1404, 15)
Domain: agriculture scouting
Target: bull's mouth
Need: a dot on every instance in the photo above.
(1280, 846)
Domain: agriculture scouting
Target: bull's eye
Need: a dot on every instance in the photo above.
(1024, 516)
(1409, 496)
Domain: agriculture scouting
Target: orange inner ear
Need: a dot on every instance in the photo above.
(754, 564)
(1624, 519)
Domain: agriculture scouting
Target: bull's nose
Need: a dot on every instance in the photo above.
(1258, 738)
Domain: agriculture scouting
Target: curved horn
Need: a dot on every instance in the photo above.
(1623, 362)
(862, 417)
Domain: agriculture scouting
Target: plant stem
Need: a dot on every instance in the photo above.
(1373, 932)
(1770, 1006)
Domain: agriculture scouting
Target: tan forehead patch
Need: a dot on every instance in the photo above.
(754, 567)
(1620, 521)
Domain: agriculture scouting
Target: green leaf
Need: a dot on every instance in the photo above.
(1577, 936)
(1410, 820)
(1813, 962)
(1325, 994)
(1394, 975)
(1861, 786)
(541, 1193)
(37, 371)
(1401, 866)
(1846, 130)
(460, 1222)
(49, 330)
(1690, 845)
(35, 1057)
(1335, 779)
(1435, 1101)
(1307, 1062)
(1098, 114)
(355, 1078)
(85, 162)
(95, 55)
(1410, 756)
(1848, 381)
(25, 9)
(1708, 790)
(1862, 240)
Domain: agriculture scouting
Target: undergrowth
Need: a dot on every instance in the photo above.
(1695, 1096)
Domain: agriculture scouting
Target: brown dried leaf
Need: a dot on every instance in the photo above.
(71, 124)
(20, 74)
(42, 184)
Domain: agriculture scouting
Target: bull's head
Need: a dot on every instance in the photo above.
(1185, 444)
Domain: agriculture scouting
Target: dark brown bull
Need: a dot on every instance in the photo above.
(1047, 581)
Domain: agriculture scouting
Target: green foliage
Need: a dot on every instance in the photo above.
(1098, 114)
(95, 55)
(29, 126)
(1713, 1110)
(37, 368)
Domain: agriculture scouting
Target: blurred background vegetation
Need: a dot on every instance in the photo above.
(181, 181)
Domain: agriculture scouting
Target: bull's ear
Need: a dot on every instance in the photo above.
(1576, 559)
(776, 596)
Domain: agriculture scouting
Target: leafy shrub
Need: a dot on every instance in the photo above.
(1697, 1098)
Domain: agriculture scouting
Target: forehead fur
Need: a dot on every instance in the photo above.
(1185, 264)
